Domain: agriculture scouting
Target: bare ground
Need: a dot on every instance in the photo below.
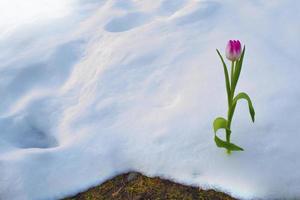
(135, 186)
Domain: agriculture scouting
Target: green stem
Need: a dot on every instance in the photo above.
(232, 73)
(231, 107)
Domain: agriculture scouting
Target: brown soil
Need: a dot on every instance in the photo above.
(135, 186)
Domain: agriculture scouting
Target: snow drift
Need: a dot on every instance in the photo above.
(90, 89)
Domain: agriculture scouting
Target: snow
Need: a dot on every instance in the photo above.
(91, 89)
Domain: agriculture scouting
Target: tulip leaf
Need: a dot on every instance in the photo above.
(229, 146)
(226, 73)
(243, 95)
(220, 123)
(238, 69)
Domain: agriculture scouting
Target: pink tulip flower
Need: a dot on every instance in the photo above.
(233, 50)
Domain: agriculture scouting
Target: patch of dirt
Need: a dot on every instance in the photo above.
(135, 186)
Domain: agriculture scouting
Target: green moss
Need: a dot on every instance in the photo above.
(142, 187)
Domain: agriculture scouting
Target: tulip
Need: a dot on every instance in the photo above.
(235, 54)
(233, 50)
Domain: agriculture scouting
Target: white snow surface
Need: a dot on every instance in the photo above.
(93, 88)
